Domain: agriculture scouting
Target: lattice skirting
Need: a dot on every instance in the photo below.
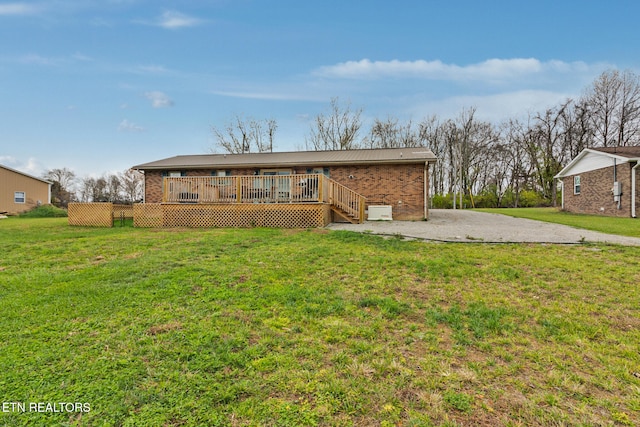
(147, 215)
(245, 215)
(203, 215)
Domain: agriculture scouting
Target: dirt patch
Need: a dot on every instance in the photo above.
(164, 328)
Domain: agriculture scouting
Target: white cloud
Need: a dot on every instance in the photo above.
(158, 99)
(172, 20)
(7, 160)
(266, 95)
(81, 57)
(32, 166)
(151, 69)
(489, 70)
(127, 126)
(15, 9)
(36, 59)
(495, 107)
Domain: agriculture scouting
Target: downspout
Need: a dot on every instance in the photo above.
(426, 197)
(144, 186)
(562, 193)
(615, 179)
(633, 190)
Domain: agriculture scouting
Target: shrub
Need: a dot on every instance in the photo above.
(45, 211)
(532, 199)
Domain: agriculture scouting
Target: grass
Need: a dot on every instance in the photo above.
(227, 327)
(612, 225)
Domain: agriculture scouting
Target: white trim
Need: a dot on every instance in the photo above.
(24, 197)
(593, 159)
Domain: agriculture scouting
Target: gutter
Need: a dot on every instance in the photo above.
(248, 165)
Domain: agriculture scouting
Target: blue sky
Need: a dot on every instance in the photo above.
(101, 85)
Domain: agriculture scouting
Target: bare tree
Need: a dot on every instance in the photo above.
(515, 136)
(132, 185)
(614, 103)
(473, 139)
(546, 149)
(431, 135)
(261, 134)
(578, 130)
(336, 131)
(603, 102)
(62, 191)
(246, 135)
(85, 191)
(125, 187)
(628, 117)
(391, 134)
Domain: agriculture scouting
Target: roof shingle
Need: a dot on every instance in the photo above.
(293, 158)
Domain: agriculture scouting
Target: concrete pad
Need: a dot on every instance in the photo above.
(449, 225)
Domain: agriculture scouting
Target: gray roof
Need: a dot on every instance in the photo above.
(294, 158)
(631, 152)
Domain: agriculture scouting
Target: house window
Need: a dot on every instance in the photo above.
(576, 184)
(324, 171)
(19, 197)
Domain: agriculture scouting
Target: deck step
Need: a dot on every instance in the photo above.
(348, 216)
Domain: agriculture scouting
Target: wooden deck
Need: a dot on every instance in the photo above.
(265, 190)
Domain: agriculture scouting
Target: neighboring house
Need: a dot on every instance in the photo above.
(20, 192)
(397, 177)
(602, 181)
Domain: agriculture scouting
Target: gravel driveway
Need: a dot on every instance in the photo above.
(469, 226)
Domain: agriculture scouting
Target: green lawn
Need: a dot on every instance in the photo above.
(604, 224)
(147, 327)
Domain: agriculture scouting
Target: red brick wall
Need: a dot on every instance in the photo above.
(595, 192)
(152, 186)
(401, 186)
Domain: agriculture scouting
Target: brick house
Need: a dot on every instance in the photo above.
(396, 177)
(601, 181)
(20, 192)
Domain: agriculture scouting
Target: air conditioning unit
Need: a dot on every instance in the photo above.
(380, 213)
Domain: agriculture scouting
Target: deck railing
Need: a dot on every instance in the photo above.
(245, 189)
(299, 188)
(347, 200)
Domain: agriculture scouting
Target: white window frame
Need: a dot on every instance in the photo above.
(16, 198)
(576, 185)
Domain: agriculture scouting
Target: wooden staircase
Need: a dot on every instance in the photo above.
(346, 203)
